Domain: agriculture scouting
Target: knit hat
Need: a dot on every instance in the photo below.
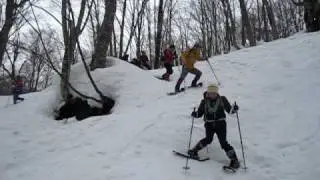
(213, 88)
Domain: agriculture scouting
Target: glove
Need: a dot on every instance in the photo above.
(235, 108)
(194, 114)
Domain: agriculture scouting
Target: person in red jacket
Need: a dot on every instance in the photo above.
(169, 57)
(17, 89)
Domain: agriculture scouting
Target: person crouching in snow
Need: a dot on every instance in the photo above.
(213, 107)
(17, 89)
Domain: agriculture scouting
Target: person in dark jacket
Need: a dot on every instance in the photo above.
(213, 108)
(17, 89)
(75, 106)
(136, 62)
(169, 57)
(125, 57)
(144, 60)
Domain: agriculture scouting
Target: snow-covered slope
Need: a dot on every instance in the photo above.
(276, 86)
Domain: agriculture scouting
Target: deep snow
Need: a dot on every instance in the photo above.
(276, 86)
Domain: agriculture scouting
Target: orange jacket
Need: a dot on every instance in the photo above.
(190, 57)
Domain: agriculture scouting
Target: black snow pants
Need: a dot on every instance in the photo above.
(218, 127)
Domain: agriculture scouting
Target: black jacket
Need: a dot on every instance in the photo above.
(219, 113)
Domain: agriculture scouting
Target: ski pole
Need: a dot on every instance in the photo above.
(187, 167)
(244, 160)
(213, 72)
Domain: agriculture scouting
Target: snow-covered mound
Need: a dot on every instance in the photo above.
(276, 86)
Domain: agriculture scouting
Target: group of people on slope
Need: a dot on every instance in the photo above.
(212, 107)
(142, 61)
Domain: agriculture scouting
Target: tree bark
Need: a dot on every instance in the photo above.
(122, 27)
(259, 21)
(104, 36)
(265, 22)
(159, 35)
(246, 23)
(11, 16)
(272, 20)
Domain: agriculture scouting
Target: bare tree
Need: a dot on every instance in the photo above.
(272, 20)
(311, 14)
(246, 23)
(159, 34)
(12, 55)
(134, 22)
(11, 17)
(104, 35)
(124, 10)
(148, 13)
(71, 32)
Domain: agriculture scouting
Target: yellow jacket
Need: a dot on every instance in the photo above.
(189, 57)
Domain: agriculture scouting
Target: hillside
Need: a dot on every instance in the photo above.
(276, 85)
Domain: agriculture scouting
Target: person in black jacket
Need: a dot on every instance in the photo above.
(75, 106)
(213, 108)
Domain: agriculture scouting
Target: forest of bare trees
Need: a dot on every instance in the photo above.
(93, 29)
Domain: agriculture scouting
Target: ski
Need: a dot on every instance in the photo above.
(229, 169)
(174, 93)
(183, 89)
(200, 84)
(160, 78)
(201, 159)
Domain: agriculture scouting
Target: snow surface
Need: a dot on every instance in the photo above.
(276, 85)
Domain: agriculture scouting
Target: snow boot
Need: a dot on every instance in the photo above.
(234, 163)
(177, 87)
(165, 76)
(194, 151)
(193, 154)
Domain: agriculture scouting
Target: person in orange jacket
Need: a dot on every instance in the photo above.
(189, 58)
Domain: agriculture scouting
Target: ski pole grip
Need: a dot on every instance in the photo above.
(194, 109)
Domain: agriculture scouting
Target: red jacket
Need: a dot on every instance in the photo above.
(169, 56)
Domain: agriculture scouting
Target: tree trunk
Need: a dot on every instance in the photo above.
(134, 24)
(64, 90)
(10, 18)
(149, 33)
(271, 19)
(233, 26)
(71, 33)
(159, 35)
(246, 23)
(122, 27)
(139, 34)
(265, 22)
(227, 41)
(243, 34)
(104, 36)
(170, 21)
(259, 21)
(203, 28)
(214, 6)
(115, 54)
